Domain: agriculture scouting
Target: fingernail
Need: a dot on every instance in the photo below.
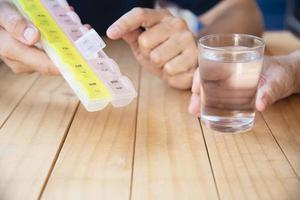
(113, 32)
(30, 33)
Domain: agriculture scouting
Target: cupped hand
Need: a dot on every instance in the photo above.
(279, 79)
(17, 40)
(160, 42)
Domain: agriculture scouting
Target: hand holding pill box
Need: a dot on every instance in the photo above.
(78, 54)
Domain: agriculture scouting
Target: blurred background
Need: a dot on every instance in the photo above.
(281, 14)
(275, 12)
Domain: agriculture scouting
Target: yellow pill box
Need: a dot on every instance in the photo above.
(78, 54)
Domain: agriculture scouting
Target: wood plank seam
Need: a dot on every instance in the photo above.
(209, 159)
(263, 117)
(19, 101)
(221, 160)
(32, 135)
(276, 175)
(171, 158)
(135, 131)
(234, 164)
(247, 168)
(96, 158)
(261, 176)
(58, 153)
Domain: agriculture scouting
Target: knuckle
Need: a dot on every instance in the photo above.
(139, 12)
(14, 22)
(156, 57)
(178, 23)
(18, 69)
(169, 68)
(187, 36)
(53, 71)
(144, 41)
(4, 51)
(171, 82)
(166, 12)
(46, 71)
(123, 24)
(7, 46)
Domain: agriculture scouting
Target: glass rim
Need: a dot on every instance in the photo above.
(233, 35)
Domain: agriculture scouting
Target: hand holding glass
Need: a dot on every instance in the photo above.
(230, 66)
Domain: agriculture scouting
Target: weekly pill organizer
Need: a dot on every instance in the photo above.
(78, 54)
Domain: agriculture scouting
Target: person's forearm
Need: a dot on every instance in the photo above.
(242, 16)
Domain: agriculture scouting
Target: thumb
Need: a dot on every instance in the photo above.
(16, 25)
(266, 95)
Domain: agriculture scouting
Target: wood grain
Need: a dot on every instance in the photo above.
(151, 149)
(12, 89)
(96, 159)
(31, 138)
(170, 156)
(251, 165)
(283, 118)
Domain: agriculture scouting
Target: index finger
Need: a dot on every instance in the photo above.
(17, 26)
(134, 19)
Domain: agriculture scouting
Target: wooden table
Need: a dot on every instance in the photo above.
(51, 148)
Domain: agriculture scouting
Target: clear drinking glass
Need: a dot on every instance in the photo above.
(230, 66)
